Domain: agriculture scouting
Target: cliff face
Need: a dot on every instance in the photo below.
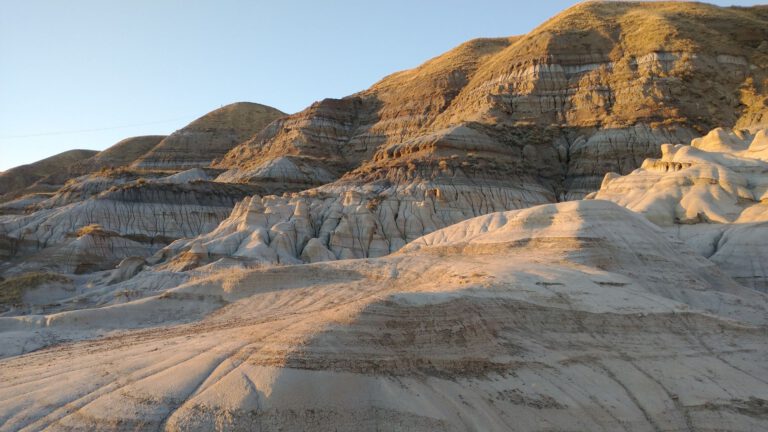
(495, 124)
(140, 216)
(358, 265)
(598, 88)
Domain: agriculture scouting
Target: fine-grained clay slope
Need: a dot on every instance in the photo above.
(711, 194)
(509, 321)
(121, 154)
(143, 214)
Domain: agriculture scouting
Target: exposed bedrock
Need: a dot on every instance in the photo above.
(711, 194)
(590, 86)
(556, 315)
(150, 213)
(326, 224)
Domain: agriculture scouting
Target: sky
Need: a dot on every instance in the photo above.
(87, 73)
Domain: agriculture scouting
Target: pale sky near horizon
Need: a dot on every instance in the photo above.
(87, 73)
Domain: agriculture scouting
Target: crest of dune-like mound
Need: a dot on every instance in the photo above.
(123, 153)
(30, 184)
(209, 137)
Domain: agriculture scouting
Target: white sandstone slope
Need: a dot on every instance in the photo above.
(574, 316)
(141, 215)
(337, 222)
(712, 194)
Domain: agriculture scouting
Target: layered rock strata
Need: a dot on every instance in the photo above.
(209, 137)
(556, 316)
(145, 215)
(598, 88)
(42, 176)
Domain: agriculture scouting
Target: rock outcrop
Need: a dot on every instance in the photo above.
(557, 316)
(209, 137)
(338, 223)
(712, 194)
(140, 217)
(398, 259)
(598, 88)
(494, 124)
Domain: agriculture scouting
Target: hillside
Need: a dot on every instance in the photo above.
(595, 89)
(565, 230)
(16, 180)
(209, 137)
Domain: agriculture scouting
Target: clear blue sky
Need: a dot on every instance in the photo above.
(87, 73)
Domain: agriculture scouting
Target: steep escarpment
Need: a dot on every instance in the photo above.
(495, 124)
(209, 137)
(598, 88)
(339, 135)
(399, 259)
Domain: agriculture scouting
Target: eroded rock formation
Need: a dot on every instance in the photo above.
(45, 175)
(556, 315)
(397, 259)
(598, 88)
(712, 194)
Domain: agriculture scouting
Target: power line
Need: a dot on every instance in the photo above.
(71, 132)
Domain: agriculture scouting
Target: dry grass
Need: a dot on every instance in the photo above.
(12, 290)
(94, 229)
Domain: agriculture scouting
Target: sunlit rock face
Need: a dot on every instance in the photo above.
(595, 89)
(711, 194)
(494, 124)
(402, 258)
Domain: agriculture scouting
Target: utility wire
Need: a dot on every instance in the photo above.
(72, 132)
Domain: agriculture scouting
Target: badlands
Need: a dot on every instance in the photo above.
(565, 230)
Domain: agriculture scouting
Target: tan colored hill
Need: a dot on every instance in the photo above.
(357, 266)
(123, 153)
(209, 137)
(598, 88)
(17, 179)
(52, 173)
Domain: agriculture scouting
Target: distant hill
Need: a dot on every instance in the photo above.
(209, 137)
